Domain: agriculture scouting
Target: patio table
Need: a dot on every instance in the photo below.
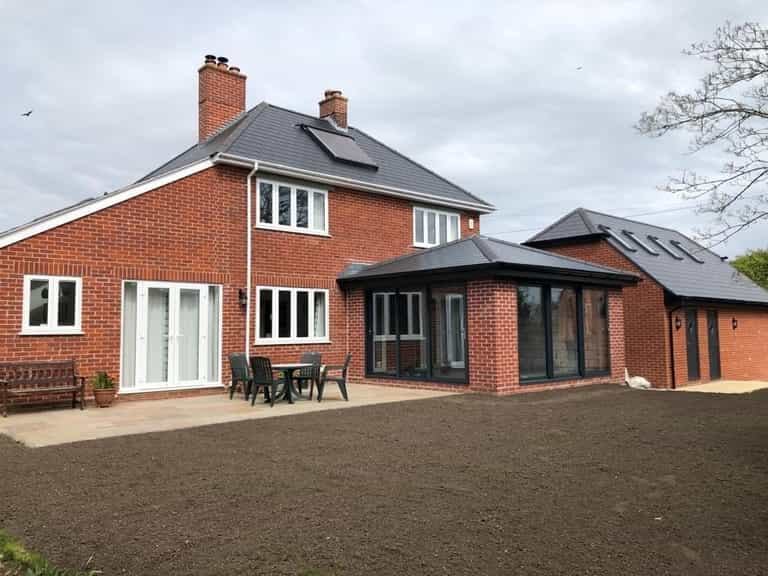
(288, 368)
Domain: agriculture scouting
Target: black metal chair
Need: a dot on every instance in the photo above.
(241, 374)
(309, 375)
(264, 377)
(340, 377)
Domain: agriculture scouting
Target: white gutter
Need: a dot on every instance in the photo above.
(351, 183)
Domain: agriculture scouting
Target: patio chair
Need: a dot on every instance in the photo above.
(263, 376)
(339, 376)
(241, 374)
(309, 375)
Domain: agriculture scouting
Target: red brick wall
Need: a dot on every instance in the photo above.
(194, 230)
(646, 332)
(743, 351)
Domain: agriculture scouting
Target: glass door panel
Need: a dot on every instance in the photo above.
(158, 332)
(188, 336)
(455, 329)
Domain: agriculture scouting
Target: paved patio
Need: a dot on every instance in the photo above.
(727, 387)
(64, 425)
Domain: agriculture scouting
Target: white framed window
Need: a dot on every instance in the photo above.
(432, 227)
(385, 318)
(52, 305)
(291, 315)
(291, 207)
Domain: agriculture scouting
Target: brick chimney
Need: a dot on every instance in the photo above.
(334, 107)
(221, 95)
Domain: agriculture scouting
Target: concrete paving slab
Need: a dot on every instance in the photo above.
(726, 387)
(62, 426)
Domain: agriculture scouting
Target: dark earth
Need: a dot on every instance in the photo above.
(601, 480)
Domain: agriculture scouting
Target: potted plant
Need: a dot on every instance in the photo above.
(103, 389)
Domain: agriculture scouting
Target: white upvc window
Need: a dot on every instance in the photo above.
(384, 316)
(432, 227)
(52, 305)
(291, 315)
(291, 207)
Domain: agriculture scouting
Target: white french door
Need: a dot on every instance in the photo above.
(171, 335)
(455, 330)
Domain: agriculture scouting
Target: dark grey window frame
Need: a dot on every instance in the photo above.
(546, 299)
(426, 328)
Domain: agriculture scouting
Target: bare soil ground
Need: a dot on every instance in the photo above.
(600, 480)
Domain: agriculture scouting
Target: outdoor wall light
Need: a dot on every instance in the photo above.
(734, 323)
(678, 322)
(242, 298)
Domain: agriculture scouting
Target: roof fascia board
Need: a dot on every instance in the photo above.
(111, 199)
(283, 170)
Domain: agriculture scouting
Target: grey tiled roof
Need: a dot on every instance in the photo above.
(478, 252)
(712, 279)
(269, 133)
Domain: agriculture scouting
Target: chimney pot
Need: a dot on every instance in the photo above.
(210, 59)
(334, 107)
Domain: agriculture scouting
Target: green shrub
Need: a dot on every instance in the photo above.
(15, 559)
(102, 381)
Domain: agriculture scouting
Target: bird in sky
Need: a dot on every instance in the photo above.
(27, 114)
(579, 67)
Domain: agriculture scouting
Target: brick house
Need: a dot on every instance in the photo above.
(692, 317)
(265, 235)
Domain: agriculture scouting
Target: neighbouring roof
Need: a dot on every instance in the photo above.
(271, 134)
(683, 267)
(479, 252)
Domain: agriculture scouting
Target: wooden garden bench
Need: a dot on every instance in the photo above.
(34, 381)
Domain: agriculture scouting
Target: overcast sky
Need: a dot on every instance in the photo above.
(530, 105)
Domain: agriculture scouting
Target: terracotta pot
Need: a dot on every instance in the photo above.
(104, 397)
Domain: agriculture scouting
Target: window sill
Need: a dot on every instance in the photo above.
(291, 342)
(51, 332)
(291, 230)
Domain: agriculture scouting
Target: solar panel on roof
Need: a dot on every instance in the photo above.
(640, 243)
(656, 240)
(616, 237)
(341, 147)
(679, 245)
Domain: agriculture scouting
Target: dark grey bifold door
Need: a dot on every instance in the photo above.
(692, 343)
(714, 345)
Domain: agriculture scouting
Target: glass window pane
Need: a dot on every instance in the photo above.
(413, 346)
(416, 313)
(302, 208)
(431, 231)
(265, 313)
(67, 291)
(265, 202)
(302, 314)
(213, 334)
(565, 351)
(391, 314)
(596, 347)
(402, 313)
(284, 204)
(418, 220)
(379, 318)
(158, 314)
(448, 327)
(453, 233)
(284, 314)
(38, 303)
(443, 228)
(319, 314)
(318, 209)
(531, 332)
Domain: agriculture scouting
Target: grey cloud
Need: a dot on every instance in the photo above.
(486, 93)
